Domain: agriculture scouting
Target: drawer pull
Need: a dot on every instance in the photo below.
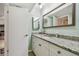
(59, 52)
(39, 44)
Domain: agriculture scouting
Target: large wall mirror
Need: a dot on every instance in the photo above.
(60, 17)
(35, 24)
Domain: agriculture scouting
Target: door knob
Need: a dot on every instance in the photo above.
(26, 35)
(39, 44)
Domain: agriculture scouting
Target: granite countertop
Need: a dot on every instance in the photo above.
(2, 44)
(73, 45)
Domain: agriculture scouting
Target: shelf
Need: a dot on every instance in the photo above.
(1, 25)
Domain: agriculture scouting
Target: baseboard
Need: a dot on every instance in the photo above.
(33, 53)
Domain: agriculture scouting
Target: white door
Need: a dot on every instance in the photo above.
(19, 20)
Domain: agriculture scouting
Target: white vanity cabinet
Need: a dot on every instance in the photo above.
(44, 48)
(40, 47)
(57, 51)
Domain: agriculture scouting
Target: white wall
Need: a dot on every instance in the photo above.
(71, 31)
(35, 11)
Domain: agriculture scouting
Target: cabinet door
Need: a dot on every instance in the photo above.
(43, 48)
(40, 47)
(35, 45)
(57, 51)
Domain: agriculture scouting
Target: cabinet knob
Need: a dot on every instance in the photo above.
(59, 52)
(39, 44)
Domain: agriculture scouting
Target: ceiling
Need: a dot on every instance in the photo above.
(29, 6)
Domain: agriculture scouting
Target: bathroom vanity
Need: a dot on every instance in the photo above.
(45, 45)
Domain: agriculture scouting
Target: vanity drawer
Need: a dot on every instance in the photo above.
(57, 51)
(43, 42)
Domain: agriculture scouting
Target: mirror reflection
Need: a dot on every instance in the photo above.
(62, 16)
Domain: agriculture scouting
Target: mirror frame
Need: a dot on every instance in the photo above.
(73, 16)
(33, 24)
